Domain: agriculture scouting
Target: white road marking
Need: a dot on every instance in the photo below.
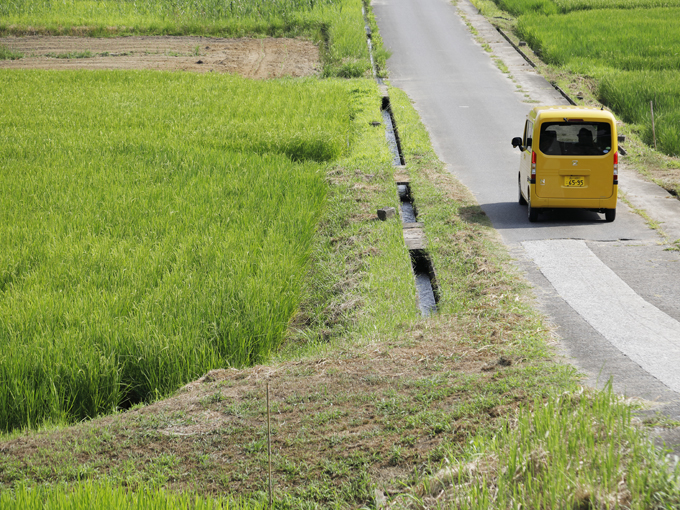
(638, 329)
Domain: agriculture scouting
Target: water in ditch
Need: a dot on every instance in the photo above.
(426, 299)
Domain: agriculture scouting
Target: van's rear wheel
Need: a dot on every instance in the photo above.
(609, 215)
(521, 200)
(532, 213)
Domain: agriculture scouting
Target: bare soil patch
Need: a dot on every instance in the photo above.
(252, 58)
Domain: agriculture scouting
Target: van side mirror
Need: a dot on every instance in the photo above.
(517, 142)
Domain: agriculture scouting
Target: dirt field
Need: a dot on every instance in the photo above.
(253, 58)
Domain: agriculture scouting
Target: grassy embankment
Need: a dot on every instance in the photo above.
(335, 24)
(618, 53)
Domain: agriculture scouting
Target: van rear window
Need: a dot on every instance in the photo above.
(575, 138)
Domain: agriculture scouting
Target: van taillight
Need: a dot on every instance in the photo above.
(533, 168)
(616, 168)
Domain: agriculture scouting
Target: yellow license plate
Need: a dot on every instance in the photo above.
(574, 181)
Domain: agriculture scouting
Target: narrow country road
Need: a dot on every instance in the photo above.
(612, 290)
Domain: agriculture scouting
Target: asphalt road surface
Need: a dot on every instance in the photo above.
(612, 290)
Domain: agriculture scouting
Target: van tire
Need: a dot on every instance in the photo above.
(521, 200)
(609, 215)
(532, 213)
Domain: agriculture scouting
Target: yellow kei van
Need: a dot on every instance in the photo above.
(569, 160)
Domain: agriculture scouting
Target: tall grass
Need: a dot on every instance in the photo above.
(630, 94)
(104, 496)
(152, 226)
(547, 7)
(628, 40)
(573, 451)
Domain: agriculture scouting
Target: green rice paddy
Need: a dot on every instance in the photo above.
(152, 226)
(519, 7)
(267, 17)
(106, 496)
(629, 40)
(630, 92)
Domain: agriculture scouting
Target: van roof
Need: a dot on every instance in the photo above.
(570, 112)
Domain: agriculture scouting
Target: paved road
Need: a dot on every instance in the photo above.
(611, 289)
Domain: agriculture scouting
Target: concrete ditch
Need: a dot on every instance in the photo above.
(427, 291)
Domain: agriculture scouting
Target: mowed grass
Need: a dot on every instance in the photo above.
(152, 226)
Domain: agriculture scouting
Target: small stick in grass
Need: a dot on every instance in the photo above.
(269, 446)
(651, 108)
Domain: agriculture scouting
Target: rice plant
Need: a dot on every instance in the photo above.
(630, 93)
(105, 496)
(565, 6)
(152, 226)
(644, 39)
(547, 7)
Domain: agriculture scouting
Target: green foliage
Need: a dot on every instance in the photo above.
(621, 39)
(7, 54)
(630, 93)
(346, 55)
(573, 451)
(153, 226)
(105, 496)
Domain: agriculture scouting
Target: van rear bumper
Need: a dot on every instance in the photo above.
(575, 203)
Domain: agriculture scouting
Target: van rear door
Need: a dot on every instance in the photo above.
(574, 159)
